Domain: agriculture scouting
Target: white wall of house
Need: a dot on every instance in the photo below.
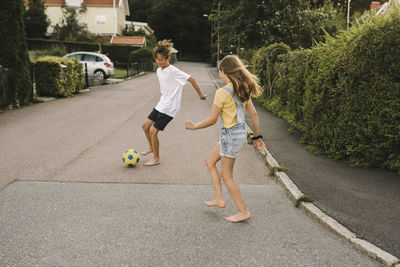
(99, 19)
(54, 14)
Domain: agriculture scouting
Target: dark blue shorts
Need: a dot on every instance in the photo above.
(160, 119)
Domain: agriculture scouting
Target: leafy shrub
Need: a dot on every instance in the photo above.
(144, 54)
(52, 81)
(265, 64)
(344, 94)
(57, 51)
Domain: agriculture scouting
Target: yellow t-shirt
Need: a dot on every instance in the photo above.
(227, 103)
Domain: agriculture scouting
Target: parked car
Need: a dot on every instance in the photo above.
(99, 66)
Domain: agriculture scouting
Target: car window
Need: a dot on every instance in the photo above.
(89, 58)
(99, 59)
(75, 56)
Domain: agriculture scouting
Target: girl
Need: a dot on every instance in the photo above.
(230, 102)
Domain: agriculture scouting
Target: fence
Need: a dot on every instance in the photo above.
(133, 69)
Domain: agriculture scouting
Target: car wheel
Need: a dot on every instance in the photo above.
(99, 76)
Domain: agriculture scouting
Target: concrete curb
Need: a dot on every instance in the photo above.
(318, 215)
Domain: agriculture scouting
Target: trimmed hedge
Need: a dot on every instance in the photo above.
(117, 53)
(264, 64)
(144, 54)
(52, 81)
(344, 94)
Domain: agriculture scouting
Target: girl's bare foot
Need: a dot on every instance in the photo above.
(238, 217)
(152, 162)
(216, 203)
(146, 152)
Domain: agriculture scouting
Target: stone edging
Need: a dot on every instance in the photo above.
(294, 193)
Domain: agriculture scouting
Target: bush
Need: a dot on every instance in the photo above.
(52, 81)
(117, 53)
(265, 64)
(57, 51)
(344, 94)
(143, 54)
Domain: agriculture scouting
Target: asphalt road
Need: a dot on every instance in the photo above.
(67, 199)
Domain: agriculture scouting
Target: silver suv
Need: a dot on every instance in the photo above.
(99, 66)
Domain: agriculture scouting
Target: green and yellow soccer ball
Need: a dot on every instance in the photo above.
(130, 157)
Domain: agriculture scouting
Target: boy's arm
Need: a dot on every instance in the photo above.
(196, 86)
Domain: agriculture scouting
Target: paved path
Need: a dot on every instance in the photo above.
(67, 199)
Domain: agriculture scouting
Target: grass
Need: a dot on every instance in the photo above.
(273, 170)
(119, 73)
(304, 198)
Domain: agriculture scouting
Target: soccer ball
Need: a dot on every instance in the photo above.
(130, 158)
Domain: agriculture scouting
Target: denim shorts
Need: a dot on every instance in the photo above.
(232, 140)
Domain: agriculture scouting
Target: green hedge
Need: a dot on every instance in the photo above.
(117, 53)
(344, 94)
(52, 81)
(144, 54)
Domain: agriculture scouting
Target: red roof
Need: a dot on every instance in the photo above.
(128, 40)
(375, 5)
(100, 2)
(85, 2)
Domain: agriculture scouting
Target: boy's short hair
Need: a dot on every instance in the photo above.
(163, 48)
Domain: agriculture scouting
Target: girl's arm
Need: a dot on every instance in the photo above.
(258, 143)
(211, 120)
(197, 88)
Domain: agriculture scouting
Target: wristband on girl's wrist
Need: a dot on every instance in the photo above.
(257, 137)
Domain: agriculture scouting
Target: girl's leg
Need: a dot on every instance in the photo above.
(211, 162)
(226, 173)
(155, 145)
(146, 128)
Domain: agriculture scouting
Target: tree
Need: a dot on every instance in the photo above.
(36, 21)
(14, 53)
(70, 28)
(181, 21)
(251, 24)
(184, 23)
(140, 10)
(356, 5)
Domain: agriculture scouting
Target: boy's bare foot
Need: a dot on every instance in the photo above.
(146, 152)
(238, 217)
(214, 203)
(152, 162)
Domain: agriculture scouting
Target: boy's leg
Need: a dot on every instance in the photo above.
(146, 128)
(226, 173)
(155, 146)
(211, 162)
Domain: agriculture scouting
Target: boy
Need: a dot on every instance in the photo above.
(171, 81)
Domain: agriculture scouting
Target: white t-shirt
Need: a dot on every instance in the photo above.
(171, 81)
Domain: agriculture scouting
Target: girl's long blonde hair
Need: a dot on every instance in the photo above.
(245, 84)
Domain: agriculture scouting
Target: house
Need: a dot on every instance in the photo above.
(102, 17)
(385, 7)
(378, 8)
(375, 5)
(137, 25)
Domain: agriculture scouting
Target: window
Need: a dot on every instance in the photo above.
(89, 58)
(100, 19)
(79, 56)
